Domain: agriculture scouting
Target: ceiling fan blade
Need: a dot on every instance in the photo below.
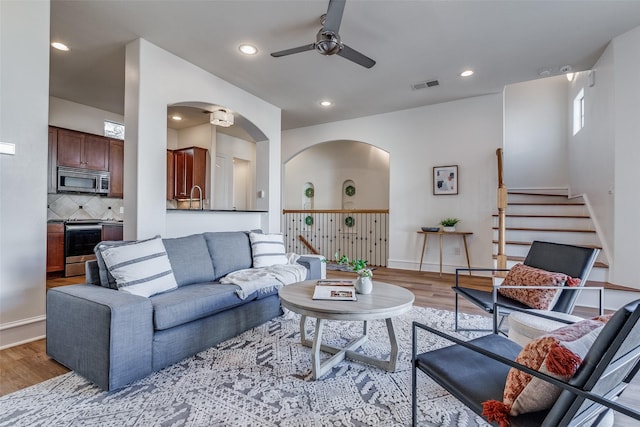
(355, 56)
(334, 16)
(294, 50)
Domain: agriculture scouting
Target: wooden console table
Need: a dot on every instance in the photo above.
(441, 233)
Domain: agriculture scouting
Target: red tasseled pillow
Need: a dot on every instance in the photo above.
(558, 354)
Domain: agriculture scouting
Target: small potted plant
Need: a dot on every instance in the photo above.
(363, 284)
(449, 224)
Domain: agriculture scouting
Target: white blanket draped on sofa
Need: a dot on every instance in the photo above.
(253, 279)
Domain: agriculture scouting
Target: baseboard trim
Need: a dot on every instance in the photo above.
(429, 267)
(22, 331)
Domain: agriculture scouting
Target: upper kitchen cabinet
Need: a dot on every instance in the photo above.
(189, 169)
(171, 176)
(116, 167)
(52, 161)
(81, 150)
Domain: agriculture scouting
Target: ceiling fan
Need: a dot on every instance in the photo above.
(328, 40)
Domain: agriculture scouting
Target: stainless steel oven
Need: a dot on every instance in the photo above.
(80, 237)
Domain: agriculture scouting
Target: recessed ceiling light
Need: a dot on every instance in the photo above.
(326, 103)
(60, 46)
(466, 73)
(248, 49)
(176, 118)
(545, 71)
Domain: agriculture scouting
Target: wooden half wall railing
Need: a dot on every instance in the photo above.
(356, 233)
(502, 213)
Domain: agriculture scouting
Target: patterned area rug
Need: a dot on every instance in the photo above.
(260, 378)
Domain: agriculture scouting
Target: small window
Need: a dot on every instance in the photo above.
(113, 129)
(578, 112)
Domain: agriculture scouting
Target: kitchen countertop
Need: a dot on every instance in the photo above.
(100, 221)
(215, 210)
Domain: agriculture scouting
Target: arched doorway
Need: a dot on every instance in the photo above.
(350, 181)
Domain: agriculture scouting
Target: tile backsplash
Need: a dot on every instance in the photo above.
(80, 206)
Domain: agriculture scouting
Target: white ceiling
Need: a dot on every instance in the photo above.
(411, 41)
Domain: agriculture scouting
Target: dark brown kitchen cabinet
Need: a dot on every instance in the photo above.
(112, 232)
(82, 150)
(116, 167)
(171, 176)
(190, 169)
(52, 161)
(55, 247)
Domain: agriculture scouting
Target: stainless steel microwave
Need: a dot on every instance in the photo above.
(73, 180)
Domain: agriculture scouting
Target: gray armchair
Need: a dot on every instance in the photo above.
(574, 261)
(475, 371)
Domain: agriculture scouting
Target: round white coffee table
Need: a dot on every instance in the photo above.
(385, 302)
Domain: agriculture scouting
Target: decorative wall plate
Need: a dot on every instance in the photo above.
(308, 220)
(308, 192)
(349, 221)
(350, 190)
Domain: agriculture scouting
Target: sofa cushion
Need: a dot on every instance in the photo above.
(558, 354)
(188, 303)
(106, 279)
(267, 249)
(523, 275)
(229, 251)
(140, 268)
(190, 260)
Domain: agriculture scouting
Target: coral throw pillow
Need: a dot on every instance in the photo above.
(523, 275)
(558, 354)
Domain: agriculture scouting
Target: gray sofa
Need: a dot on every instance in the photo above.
(113, 338)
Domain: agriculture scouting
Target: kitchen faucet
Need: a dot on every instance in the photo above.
(191, 197)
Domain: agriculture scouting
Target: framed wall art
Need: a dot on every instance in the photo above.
(445, 180)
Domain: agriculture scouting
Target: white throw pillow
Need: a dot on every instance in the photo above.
(141, 268)
(267, 249)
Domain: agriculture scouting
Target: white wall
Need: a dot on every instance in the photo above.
(535, 134)
(328, 165)
(184, 222)
(591, 153)
(627, 156)
(71, 115)
(24, 101)
(229, 149)
(604, 154)
(464, 133)
(172, 139)
(146, 142)
(196, 136)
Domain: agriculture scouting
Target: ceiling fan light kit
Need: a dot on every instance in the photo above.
(328, 40)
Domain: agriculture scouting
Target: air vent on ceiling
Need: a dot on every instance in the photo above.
(424, 85)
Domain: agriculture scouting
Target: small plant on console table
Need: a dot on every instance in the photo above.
(449, 224)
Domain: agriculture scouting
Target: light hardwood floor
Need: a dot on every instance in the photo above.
(28, 364)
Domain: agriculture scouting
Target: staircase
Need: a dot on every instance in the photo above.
(552, 218)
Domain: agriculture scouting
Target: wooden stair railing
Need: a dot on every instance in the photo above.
(356, 233)
(308, 245)
(501, 262)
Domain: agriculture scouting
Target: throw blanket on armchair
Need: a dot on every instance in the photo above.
(274, 276)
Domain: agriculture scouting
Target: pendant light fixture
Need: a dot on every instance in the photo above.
(221, 117)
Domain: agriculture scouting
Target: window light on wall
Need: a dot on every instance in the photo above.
(113, 129)
(578, 112)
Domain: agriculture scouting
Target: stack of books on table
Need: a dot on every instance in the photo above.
(337, 290)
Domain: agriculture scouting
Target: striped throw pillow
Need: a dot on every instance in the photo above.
(140, 268)
(267, 249)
